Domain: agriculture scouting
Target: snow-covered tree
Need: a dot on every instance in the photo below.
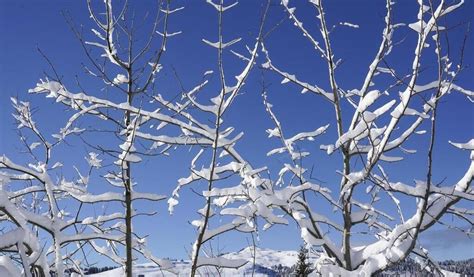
(125, 121)
(220, 166)
(133, 75)
(136, 123)
(41, 211)
(384, 116)
(369, 130)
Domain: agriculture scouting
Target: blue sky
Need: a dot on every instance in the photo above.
(26, 25)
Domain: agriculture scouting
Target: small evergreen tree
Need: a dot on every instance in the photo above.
(303, 268)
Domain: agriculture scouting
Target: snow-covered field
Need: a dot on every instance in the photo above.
(264, 258)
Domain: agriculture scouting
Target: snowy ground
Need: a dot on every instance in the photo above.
(265, 258)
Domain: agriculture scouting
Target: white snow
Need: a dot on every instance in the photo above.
(349, 24)
(120, 79)
(263, 257)
(7, 268)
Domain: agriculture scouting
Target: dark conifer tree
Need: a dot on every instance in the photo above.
(303, 267)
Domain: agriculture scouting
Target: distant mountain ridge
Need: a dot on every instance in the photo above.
(275, 263)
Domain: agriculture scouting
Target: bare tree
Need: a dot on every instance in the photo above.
(139, 123)
(369, 140)
(364, 147)
(126, 67)
(36, 199)
(218, 146)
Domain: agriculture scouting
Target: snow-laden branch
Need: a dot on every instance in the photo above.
(382, 121)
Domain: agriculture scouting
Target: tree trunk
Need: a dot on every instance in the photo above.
(128, 195)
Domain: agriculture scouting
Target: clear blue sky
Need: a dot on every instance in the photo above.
(25, 25)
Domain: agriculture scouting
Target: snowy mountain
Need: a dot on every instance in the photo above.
(270, 262)
(267, 263)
